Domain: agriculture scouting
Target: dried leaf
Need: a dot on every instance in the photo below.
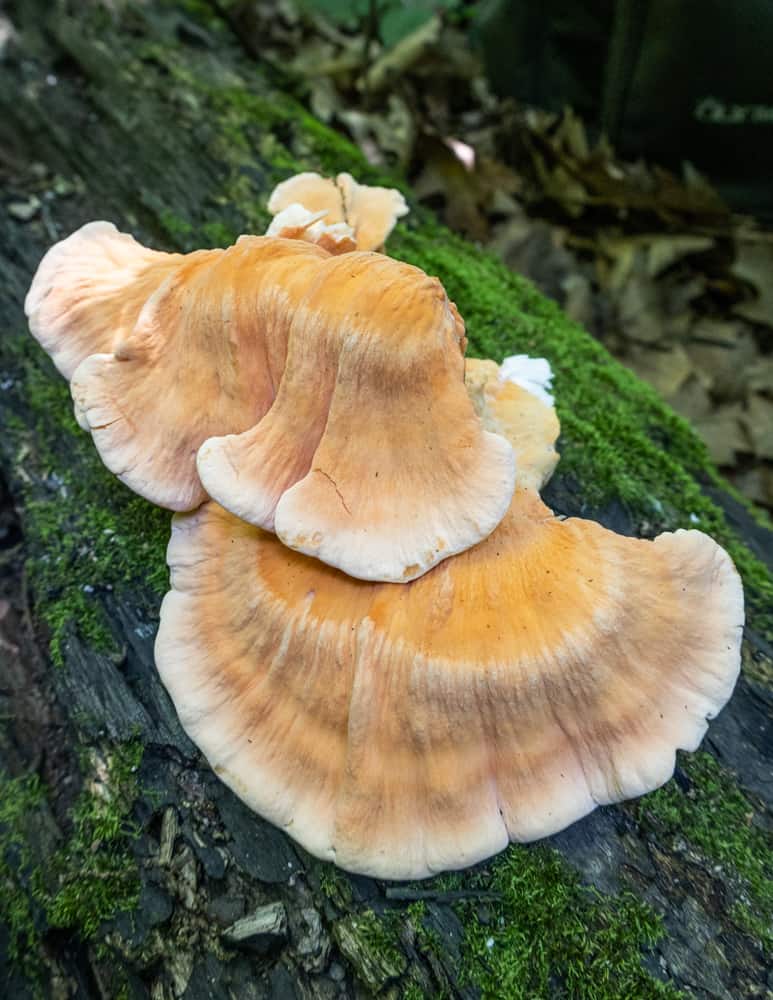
(758, 421)
(325, 99)
(757, 484)
(638, 304)
(724, 433)
(663, 251)
(468, 194)
(394, 62)
(754, 265)
(666, 370)
(760, 375)
(578, 299)
(7, 33)
(724, 368)
(534, 248)
(692, 400)
(391, 132)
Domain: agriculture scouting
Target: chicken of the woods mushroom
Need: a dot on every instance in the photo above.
(331, 211)
(400, 730)
(377, 633)
(239, 374)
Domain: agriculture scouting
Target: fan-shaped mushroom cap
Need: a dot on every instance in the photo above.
(205, 356)
(371, 458)
(400, 730)
(529, 424)
(88, 291)
(370, 211)
(297, 223)
(280, 339)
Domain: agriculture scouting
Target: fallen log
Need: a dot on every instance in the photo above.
(128, 869)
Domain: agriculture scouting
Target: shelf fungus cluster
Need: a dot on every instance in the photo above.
(377, 633)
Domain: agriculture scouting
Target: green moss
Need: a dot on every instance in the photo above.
(86, 532)
(302, 139)
(333, 884)
(550, 937)
(94, 876)
(85, 881)
(201, 11)
(543, 936)
(20, 799)
(427, 938)
(219, 235)
(717, 820)
(371, 946)
(449, 882)
(176, 228)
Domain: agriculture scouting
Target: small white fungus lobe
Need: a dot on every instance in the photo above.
(296, 215)
(532, 374)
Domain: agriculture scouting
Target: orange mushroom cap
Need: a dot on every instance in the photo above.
(371, 212)
(371, 457)
(88, 291)
(204, 357)
(269, 354)
(400, 730)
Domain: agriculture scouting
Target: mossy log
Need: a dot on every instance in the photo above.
(124, 862)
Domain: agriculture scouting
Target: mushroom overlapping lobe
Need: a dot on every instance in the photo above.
(371, 458)
(88, 291)
(259, 360)
(204, 357)
(371, 212)
(405, 729)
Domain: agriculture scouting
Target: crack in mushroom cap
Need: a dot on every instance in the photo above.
(88, 292)
(400, 730)
(371, 457)
(204, 357)
(370, 211)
